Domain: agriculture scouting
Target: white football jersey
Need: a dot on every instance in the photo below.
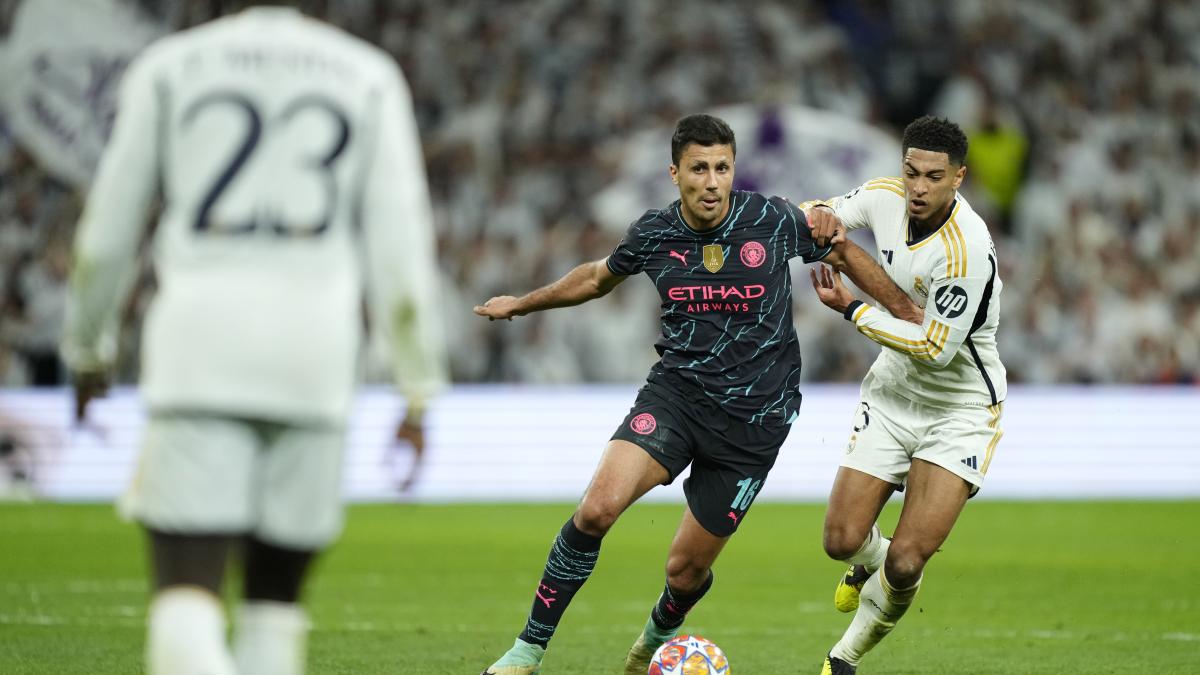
(291, 173)
(953, 274)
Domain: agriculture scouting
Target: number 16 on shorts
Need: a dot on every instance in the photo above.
(747, 488)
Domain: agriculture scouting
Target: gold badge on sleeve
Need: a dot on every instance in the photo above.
(714, 257)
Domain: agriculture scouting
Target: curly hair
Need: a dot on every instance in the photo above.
(936, 134)
(700, 129)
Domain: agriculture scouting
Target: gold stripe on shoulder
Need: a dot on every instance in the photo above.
(960, 248)
(885, 186)
(949, 252)
(893, 180)
(962, 243)
(804, 206)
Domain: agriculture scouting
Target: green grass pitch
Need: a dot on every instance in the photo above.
(1021, 588)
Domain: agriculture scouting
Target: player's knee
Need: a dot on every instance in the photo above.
(684, 574)
(905, 562)
(598, 513)
(596, 516)
(842, 541)
(274, 573)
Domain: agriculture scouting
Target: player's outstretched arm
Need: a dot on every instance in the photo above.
(586, 282)
(862, 269)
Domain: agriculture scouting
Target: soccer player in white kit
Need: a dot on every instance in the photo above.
(292, 183)
(929, 418)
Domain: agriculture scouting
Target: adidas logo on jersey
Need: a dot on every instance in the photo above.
(970, 461)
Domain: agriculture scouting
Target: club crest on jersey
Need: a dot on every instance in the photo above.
(714, 257)
(919, 287)
(643, 424)
(753, 254)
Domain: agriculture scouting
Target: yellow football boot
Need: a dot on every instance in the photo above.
(845, 596)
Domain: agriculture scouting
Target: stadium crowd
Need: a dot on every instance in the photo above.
(1083, 116)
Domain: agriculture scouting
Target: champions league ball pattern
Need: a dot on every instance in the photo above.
(689, 655)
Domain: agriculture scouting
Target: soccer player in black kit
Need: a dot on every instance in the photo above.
(721, 398)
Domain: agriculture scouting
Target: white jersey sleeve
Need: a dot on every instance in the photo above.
(398, 226)
(855, 207)
(112, 226)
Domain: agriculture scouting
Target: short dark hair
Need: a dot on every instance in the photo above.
(700, 129)
(936, 134)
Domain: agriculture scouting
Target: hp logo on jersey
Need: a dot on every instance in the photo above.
(951, 301)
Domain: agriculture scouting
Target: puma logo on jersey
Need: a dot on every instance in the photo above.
(682, 256)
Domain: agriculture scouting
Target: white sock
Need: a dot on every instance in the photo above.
(880, 607)
(873, 551)
(186, 634)
(270, 638)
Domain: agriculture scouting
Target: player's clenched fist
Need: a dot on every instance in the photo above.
(825, 225)
(499, 307)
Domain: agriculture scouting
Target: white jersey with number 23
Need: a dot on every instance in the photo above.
(292, 179)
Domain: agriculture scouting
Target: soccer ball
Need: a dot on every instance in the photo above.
(689, 655)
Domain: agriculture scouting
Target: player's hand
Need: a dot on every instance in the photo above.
(88, 386)
(412, 431)
(830, 289)
(499, 307)
(826, 227)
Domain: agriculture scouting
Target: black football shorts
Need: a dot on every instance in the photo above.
(678, 425)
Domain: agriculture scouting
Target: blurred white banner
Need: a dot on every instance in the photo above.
(497, 443)
(791, 151)
(60, 66)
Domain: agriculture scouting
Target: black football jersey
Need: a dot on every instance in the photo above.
(727, 300)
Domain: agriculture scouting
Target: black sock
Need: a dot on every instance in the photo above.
(572, 559)
(673, 607)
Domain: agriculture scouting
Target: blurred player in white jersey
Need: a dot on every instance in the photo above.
(290, 170)
(929, 419)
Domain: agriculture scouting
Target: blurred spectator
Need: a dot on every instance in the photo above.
(996, 157)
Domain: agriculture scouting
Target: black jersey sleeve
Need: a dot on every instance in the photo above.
(800, 243)
(629, 257)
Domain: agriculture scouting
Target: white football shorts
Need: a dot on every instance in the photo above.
(202, 473)
(889, 431)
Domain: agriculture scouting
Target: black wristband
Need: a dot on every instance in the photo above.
(849, 313)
